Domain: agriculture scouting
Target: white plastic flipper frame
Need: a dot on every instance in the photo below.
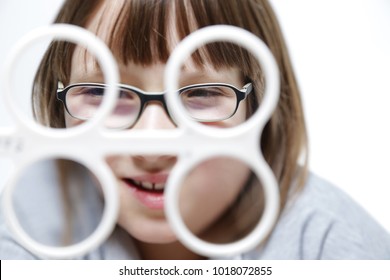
(191, 142)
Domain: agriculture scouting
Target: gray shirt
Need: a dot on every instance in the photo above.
(321, 222)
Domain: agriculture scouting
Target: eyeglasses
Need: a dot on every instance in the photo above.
(209, 102)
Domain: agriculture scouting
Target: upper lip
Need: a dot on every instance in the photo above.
(155, 182)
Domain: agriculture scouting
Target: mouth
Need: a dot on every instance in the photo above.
(148, 189)
(146, 186)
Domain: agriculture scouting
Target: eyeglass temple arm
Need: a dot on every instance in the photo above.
(60, 86)
(247, 89)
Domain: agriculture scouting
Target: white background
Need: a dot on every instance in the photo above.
(341, 53)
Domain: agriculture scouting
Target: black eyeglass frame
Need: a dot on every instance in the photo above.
(146, 97)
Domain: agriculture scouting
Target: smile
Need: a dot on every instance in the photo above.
(148, 189)
(147, 186)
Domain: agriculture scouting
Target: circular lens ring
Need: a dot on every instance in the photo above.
(251, 240)
(76, 35)
(101, 233)
(240, 37)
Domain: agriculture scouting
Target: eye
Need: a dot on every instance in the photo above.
(209, 92)
(126, 94)
(204, 92)
(92, 91)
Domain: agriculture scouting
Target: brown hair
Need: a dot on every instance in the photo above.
(141, 35)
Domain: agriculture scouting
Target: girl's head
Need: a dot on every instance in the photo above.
(141, 35)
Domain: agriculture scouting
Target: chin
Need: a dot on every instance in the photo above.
(154, 232)
(152, 239)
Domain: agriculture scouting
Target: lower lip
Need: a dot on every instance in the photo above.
(149, 199)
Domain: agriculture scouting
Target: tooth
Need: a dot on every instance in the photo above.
(137, 183)
(159, 186)
(147, 185)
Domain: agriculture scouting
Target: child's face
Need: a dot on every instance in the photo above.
(208, 190)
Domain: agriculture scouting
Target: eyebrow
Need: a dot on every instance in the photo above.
(87, 76)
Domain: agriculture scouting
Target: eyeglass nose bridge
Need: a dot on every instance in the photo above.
(149, 97)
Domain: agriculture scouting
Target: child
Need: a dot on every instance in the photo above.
(317, 220)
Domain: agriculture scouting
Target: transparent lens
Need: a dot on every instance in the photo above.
(221, 200)
(83, 102)
(209, 103)
(58, 202)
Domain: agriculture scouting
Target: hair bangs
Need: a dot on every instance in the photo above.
(134, 39)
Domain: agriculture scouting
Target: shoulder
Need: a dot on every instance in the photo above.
(322, 222)
(38, 201)
(34, 201)
(9, 248)
(45, 214)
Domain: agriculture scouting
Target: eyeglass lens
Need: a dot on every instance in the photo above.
(83, 102)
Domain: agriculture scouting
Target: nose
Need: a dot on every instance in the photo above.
(154, 116)
(154, 163)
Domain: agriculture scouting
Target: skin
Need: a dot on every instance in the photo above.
(213, 185)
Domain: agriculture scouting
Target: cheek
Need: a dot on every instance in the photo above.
(238, 118)
(70, 121)
(209, 190)
(115, 163)
(240, 115)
